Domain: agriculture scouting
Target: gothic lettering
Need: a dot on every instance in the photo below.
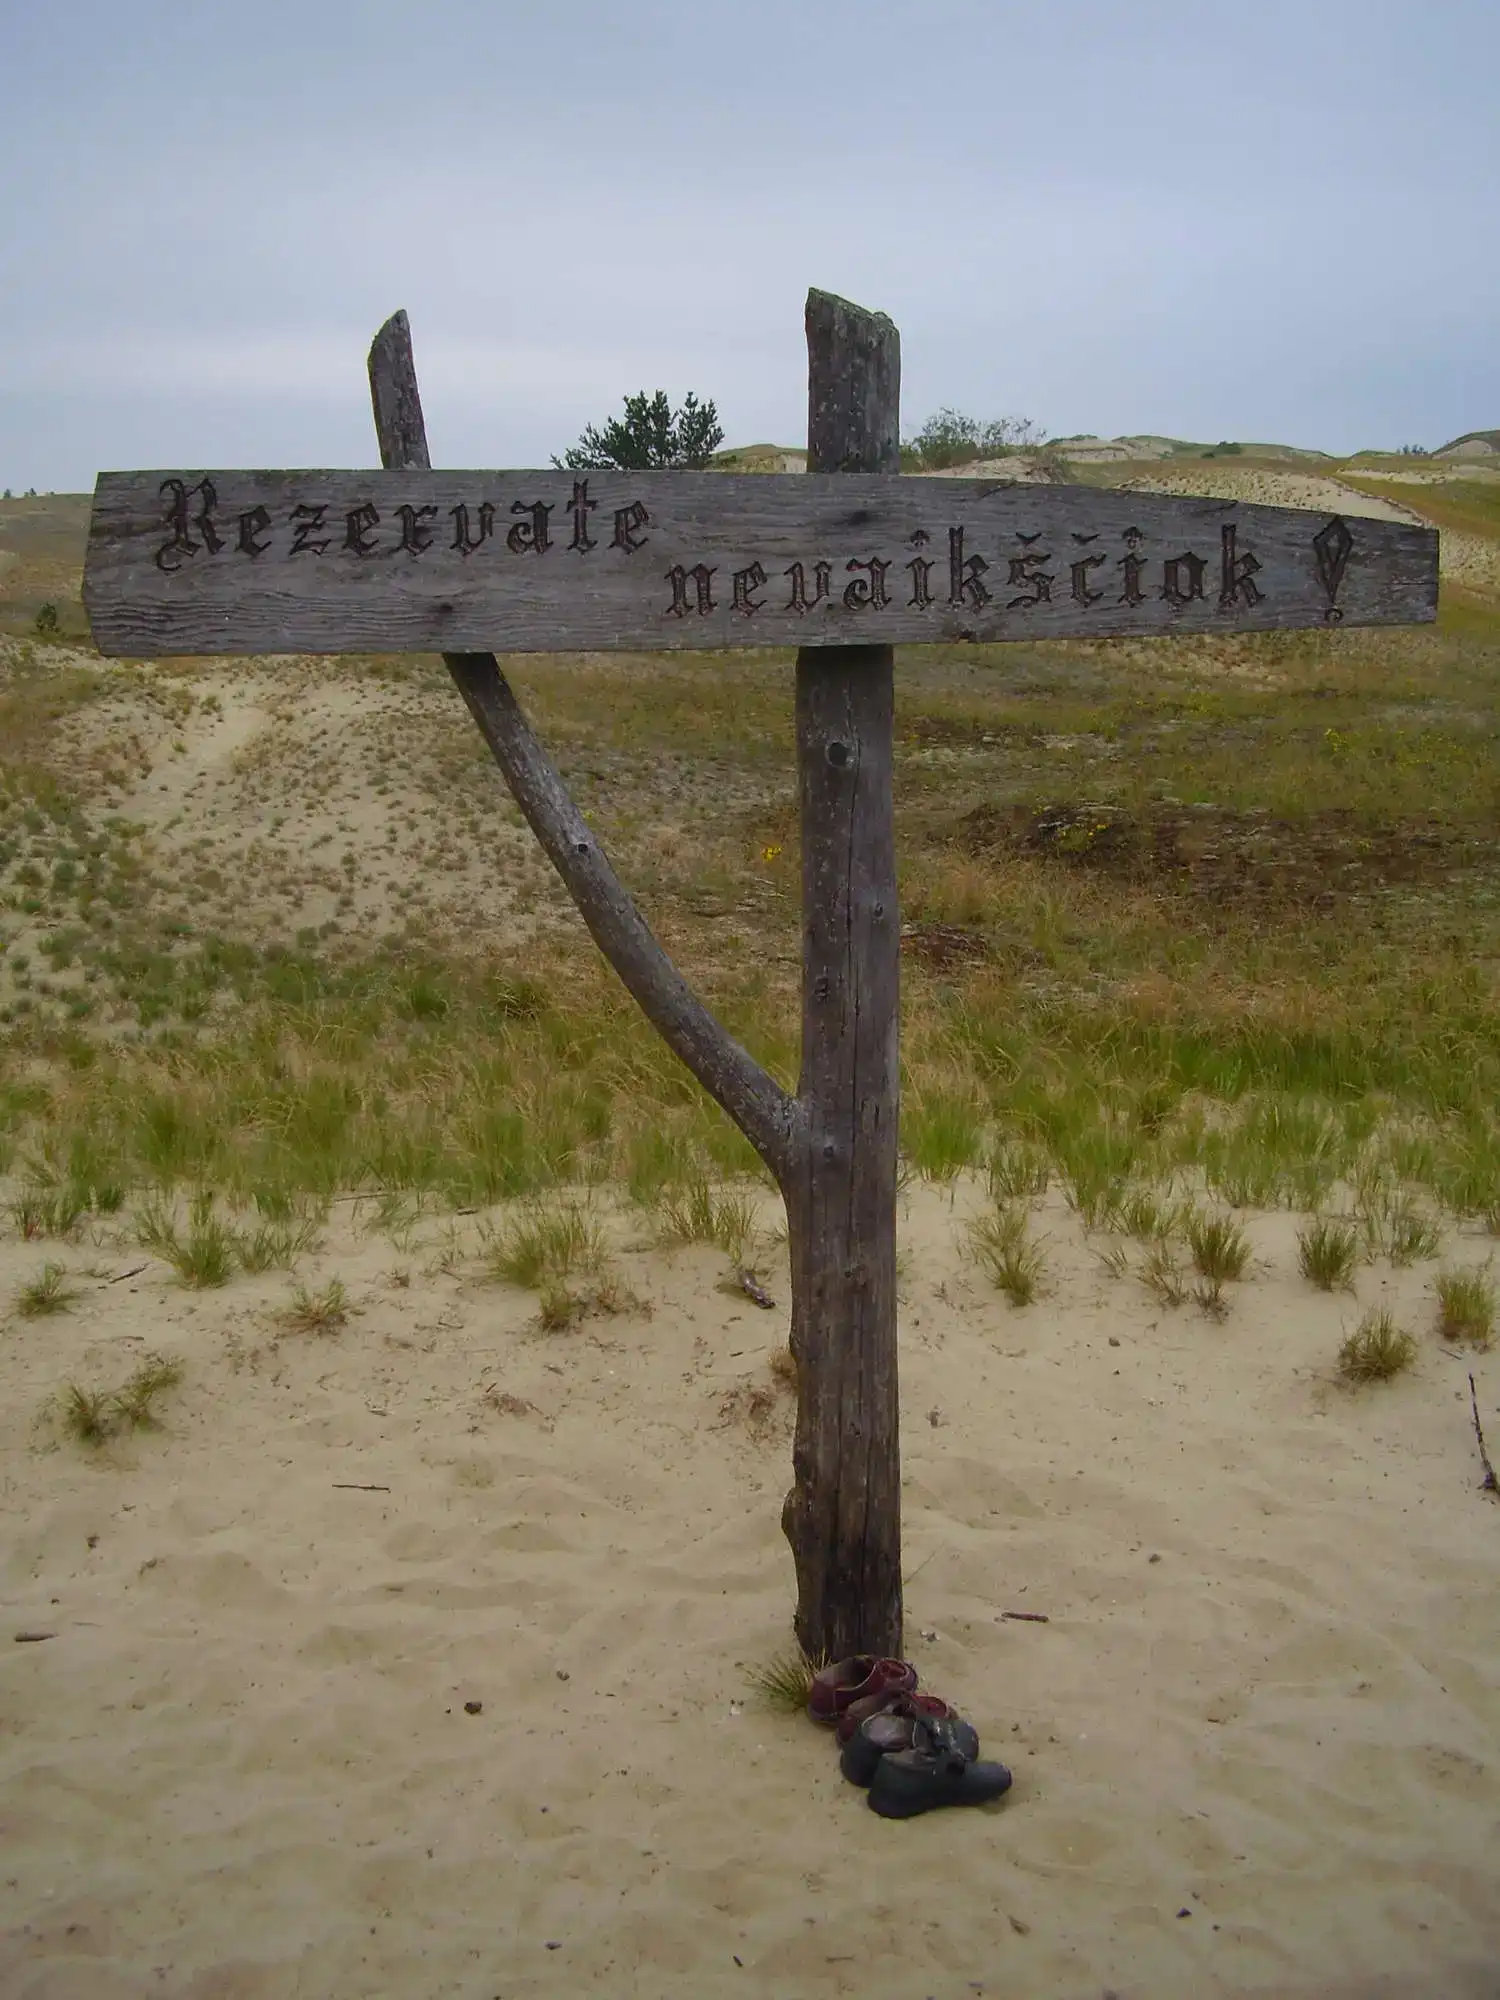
(253, 525)
(415, 533)
(181, 520)
(921, 588)
(1236, 572)
(530, 534)
(1182, 577)
(746, 580)
(627, 521)
(462, 539)
(963, 576)
(867, 591)
(1080, 575)
(1035, 582)
(306, 521)
(581, 507)
(799, 600)
(1134, 565)
(359, 523)
(701, 579)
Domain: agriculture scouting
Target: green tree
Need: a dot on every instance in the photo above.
(950, 438)
(649, 437)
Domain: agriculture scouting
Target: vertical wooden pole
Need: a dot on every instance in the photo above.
(843, 1515)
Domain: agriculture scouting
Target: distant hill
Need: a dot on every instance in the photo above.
(1473, 444)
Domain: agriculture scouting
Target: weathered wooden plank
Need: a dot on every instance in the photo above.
(843, 1514)
(413, 560)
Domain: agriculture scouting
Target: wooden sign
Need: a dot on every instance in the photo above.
(526, 562)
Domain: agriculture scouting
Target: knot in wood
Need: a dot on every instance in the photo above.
(838, 755)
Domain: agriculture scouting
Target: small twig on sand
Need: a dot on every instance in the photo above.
(134, 1272)
(357, 1486)
(1491, 1484)
(33, 1638)
(1028, 1617)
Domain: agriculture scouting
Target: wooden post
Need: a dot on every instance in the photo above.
(351, 562)
(843, 1514)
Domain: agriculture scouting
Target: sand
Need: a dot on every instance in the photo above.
(1254, 1745)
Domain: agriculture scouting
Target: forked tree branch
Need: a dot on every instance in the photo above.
(764, 1112)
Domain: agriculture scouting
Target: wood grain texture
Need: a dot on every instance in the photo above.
(751, 1097)
(411, 560)
(843, 1514)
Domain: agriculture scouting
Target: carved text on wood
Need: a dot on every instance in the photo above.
(346, 562)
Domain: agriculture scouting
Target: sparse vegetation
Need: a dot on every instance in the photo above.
(541, 1248)
(1327, 1252)
(1001, 1244)
(325, 1311)
(699, 1213)
(94, 1416)
(1219, 1250)
(1163, 1276)
(1376, 1350)
(785, 1681)
(48, 1292)
(205, 1256)
(1466, 1307)
(1140, 880)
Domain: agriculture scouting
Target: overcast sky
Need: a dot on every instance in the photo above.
(1268, 221)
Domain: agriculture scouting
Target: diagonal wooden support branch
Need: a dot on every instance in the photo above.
(769, 1118)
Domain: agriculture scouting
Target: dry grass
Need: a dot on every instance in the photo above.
(1000, 1242)
(1466, 1307)
(1376, 1350)
(1214, 908)
(325, 1311)
(48, 1292)
(95, 1416)
(784, 1682)
(1327, 1252)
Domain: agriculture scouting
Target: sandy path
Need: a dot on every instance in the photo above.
(1254, 1746)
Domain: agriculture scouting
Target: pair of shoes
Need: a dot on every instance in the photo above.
(911, 1750)
(914, 1763)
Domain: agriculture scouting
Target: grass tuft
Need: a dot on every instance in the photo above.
(1327, 1252)
(1163, 1276)
(94, 1416)
(48, 1211)
(1017, 1173)
(326, 1311)
(785, 1681)
(48, 1292)
(1466, 1307)
(205, 1257)
(1220, 1251)
(697, 1213)
(544, 1246)
(1001, 1245)
(1376, 1350)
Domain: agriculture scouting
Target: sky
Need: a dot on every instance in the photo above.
(1269, 222)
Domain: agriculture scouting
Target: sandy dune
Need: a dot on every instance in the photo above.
(1254, 1746)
